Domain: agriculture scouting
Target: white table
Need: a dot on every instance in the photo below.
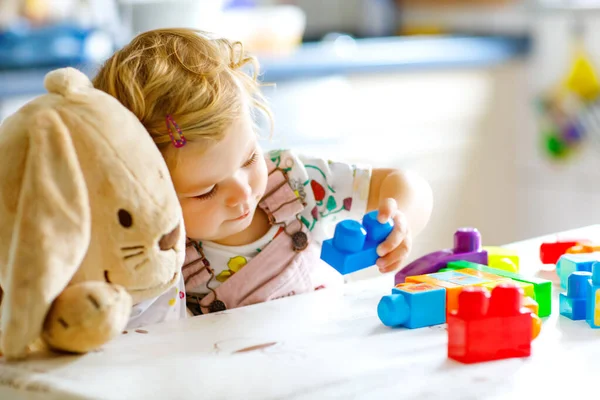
(322, 345)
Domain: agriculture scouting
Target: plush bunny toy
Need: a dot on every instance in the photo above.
(90, 222)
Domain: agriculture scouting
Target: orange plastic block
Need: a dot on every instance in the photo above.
(530, 303)
(583, 249)
(455, 281)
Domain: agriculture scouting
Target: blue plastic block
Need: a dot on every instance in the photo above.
(413, 305)
(354, 246)
(569, 263)
(573, 303)
(593, 302)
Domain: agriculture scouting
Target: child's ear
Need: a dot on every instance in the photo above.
(51, 232)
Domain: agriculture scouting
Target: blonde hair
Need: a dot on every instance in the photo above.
(184, 73)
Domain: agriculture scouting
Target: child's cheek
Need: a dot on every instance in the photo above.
(261, 178)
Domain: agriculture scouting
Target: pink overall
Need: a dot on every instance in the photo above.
(290, 264)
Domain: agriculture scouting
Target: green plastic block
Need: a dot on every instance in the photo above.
(541, 287)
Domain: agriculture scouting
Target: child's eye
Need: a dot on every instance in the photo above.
(208, 195)
(251, 160)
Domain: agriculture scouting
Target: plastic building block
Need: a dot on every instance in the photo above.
(527, 287)
(354, 246)
(583, 249)
(550, 252)
(593, 301)
(569, 263)
(528, 291)
(467, 246)
(541, 287)
(573, 302)
(413, 305)
(491, 327)
(532, 305)
(455, 281)
(501, 258)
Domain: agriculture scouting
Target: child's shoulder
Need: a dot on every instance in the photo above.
(286, 159)
(277, 155)
(290, 159)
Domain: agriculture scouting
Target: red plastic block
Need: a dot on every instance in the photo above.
(550, 252)
(491, 327)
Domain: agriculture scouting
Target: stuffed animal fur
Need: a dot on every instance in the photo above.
(90, 224)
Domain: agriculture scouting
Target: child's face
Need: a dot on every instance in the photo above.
(219, 190)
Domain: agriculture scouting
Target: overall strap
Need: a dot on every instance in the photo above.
(280, 202)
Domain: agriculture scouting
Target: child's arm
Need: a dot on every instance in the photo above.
(408, 200)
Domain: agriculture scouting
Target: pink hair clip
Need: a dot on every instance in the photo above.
(178, 143)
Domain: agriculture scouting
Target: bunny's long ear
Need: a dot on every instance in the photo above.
(51, 234)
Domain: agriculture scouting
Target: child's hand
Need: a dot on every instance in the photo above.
(394, 250)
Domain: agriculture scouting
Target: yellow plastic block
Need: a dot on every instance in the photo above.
(501, 258)
(528, 289)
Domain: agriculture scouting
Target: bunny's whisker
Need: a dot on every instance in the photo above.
(139, 253)
(132, 248)
(145, 261)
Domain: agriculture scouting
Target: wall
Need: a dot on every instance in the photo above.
(557, 196)
(550, 196)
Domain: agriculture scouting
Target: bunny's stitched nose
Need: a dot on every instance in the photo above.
(168, 241)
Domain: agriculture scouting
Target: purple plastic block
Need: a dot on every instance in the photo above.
(467, 247)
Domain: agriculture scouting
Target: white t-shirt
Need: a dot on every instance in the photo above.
(332, 191)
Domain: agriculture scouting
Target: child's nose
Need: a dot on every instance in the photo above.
(239, 194)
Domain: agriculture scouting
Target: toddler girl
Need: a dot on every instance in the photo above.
(254, 221)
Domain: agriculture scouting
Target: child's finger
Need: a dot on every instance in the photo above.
(392, 241)
(396, 236)
(390, 268)
(387, 208)
(393, 259)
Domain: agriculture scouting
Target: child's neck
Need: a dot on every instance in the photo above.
(259, 227)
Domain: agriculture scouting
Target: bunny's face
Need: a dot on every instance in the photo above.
(137, 237)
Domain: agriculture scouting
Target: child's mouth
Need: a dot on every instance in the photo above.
(243, 216)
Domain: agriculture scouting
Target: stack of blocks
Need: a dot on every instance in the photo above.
(582, 298)
(455, 281)
(542, 288)
(593, 303)
(569, 263)
(573, 303)
(490, 327)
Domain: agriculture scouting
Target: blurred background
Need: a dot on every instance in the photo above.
(493, 101)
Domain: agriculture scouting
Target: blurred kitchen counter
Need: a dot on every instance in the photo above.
(348, 56)
(340, 56)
